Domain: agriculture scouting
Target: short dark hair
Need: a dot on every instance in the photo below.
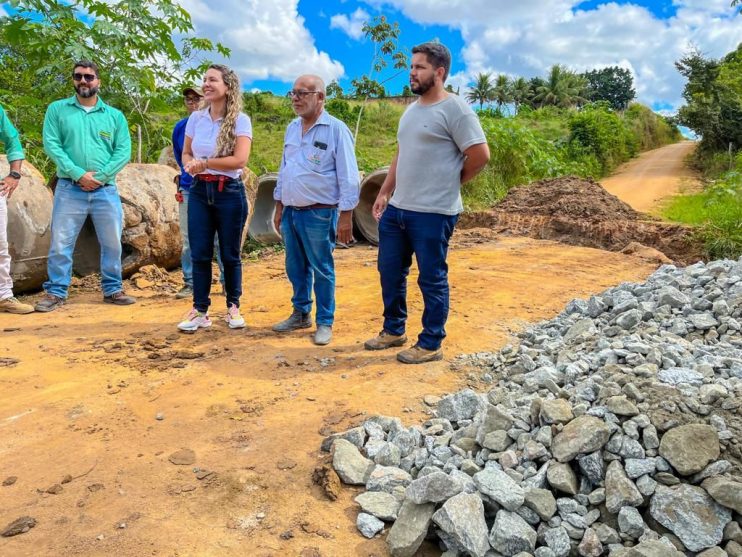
(437, 54)
(86, 64)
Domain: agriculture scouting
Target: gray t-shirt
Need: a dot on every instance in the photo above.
(432, 140)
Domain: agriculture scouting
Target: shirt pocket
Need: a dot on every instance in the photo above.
(315, 158)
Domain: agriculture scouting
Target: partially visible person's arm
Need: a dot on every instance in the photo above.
(387, 189)
(477, 157)
(346, 168)
(121, 152)
(14, 152)
(53, 146)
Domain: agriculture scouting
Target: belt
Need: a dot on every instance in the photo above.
(221, 178)
(315, 206)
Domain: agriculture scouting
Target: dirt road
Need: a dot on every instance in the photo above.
(91, 380)
(653, 176)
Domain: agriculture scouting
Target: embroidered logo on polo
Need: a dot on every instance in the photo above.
(105, 135)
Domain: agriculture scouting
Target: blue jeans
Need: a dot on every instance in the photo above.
(185, 253)
(309, 238)
(402, 233)
(222, 213)
(72, 206)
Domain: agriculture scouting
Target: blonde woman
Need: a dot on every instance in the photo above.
(215, 151)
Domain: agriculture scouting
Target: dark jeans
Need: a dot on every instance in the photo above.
(402, 233)
(223, 213)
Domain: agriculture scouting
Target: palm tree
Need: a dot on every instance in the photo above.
(520, 91)
(501, 92)
(482, 91)
(562, 88)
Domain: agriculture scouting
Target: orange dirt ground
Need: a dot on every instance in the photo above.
(82, 388)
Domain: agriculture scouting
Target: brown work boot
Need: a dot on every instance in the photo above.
(14, 305)
(120, 299)
(384, 340)
(48, 303)
(417, 355)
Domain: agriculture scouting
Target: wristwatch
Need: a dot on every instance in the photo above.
(14, 174)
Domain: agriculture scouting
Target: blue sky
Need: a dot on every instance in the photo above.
(274, 41)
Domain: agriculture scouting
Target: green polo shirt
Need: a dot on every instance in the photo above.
(9, 136)
(79, 141)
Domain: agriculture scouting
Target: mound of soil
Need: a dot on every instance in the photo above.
(567, 197)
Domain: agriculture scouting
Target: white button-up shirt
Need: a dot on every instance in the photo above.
(319, 166)
(204, 132)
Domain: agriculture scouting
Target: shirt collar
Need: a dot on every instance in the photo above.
(99, 105)
(323, 120)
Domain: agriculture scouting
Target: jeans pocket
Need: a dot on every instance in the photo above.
(323, 215)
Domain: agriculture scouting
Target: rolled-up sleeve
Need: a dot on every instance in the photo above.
(9, 136)
(346, 167)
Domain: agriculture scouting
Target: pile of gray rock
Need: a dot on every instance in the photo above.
(612, 429)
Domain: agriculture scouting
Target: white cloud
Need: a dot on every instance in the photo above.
(353, 25)
(527, 37)
(268, 38)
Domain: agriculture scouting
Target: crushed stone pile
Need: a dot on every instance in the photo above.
(612, 429)
(567, 197)
(156, 278)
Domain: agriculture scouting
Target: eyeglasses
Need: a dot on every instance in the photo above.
(300, 94)
(86, 76)
(192, 100)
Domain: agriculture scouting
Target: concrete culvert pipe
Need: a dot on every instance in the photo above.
(29, 228)
(363, 214)
(261, 227)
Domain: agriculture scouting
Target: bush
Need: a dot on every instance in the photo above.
(596, 129)
(717, 210)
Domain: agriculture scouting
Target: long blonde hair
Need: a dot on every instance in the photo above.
(226, 140)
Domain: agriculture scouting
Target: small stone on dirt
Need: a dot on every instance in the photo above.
(183, 457)
(326, 478)
(10, 480)
(286, 464)
(55, 489)
(18, 526)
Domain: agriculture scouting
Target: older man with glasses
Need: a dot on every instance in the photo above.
(317, 178)
(89, 142)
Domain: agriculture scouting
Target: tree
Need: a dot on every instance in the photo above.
(562, 88)
(130, 40)
(520, 92)
(334, 91)
(482, 91)
(502, 92)
(614, 85)
(384, 36)
(406, 91)
(713, 96)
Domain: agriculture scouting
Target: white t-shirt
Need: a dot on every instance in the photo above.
(204, 132)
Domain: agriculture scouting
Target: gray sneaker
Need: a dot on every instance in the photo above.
(48, 303)
(297, 320)
(323, 335)
(185, 292)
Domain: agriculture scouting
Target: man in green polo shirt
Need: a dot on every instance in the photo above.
(89, 142)
(14, 154)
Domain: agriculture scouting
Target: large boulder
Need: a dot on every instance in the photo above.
(29, 227)
(689, 448)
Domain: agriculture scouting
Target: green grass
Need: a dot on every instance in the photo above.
(716, 211)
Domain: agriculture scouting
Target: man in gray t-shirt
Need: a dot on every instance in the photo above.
(441, 145)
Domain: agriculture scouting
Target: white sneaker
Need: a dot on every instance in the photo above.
(233, 318)
(195, 320)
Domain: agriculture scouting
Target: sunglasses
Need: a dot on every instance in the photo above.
(89, 77)
(300, 94)
(192, 99)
